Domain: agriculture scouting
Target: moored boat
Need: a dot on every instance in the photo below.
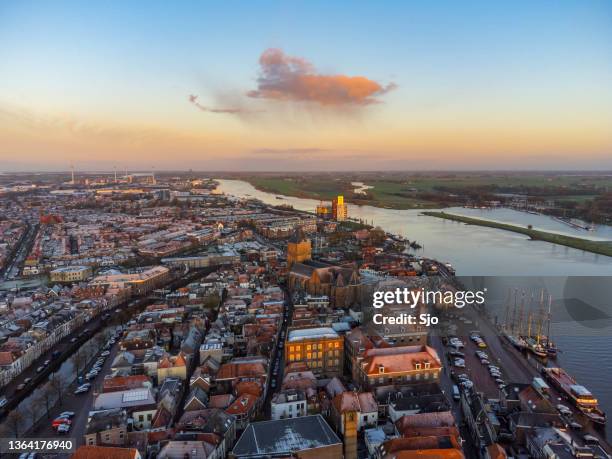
(535, 347)
(579, 395)
(516, 341)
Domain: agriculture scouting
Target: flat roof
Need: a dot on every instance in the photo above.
(311, 333)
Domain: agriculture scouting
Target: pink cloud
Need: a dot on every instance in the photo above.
(284, 77)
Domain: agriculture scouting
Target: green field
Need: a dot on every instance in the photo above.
(434, 190)
(384, 194)
(600, 247)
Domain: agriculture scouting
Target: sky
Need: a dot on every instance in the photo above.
(342, 85)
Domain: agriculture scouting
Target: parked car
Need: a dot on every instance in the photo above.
(21, 386)
(3, 402)
(82, 389)
(63, 429)
(67, 414)
(564, 409)
(58, 421)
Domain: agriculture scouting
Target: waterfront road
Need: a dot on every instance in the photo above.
(80, 404)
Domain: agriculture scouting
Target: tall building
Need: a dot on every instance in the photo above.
(339, 209)
(323, 211)
(299, 248)
(321, 349)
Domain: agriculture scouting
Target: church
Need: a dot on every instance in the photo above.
(342, 284)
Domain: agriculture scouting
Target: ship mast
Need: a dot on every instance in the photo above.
(521, 310)
(549, 319)
(507, 311)
(540, 316)
(529, 325)
(514, 313)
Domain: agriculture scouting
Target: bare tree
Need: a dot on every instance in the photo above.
(57, 383)
(14, 422)
(46, 396)
(32, 411)
(99, 340)
(79, 360)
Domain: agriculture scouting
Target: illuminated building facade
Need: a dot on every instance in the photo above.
(323, 211)
(321, 349)
(339, 209)
(299, 248)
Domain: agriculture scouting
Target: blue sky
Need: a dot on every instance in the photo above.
(93, 83)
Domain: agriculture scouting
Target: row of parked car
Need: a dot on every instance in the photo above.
(494, 370)
(97, 366)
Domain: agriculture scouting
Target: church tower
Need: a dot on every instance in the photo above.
(299, 248)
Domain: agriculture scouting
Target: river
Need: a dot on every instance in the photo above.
(472, 250)
(499, 257)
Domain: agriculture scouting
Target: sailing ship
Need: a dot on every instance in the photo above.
(510, 330)
(536, 338)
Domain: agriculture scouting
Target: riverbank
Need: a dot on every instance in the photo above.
(382, 194)
(599, 247)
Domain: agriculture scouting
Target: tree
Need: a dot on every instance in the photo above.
(79, 360)
(14, 422)
(57, 383)
(46, 396)
(32, 411)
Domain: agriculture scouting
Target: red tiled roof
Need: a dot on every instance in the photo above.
(399, 359)
(248, 387)
(437, 419)
(363, 402)
(242, 405)
(234, 370)
(104, 452)
(124, 383)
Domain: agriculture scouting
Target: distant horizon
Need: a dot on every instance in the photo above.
(121, 173)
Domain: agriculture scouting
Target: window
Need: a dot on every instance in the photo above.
(309, 356)
(308, 347)
(141, 418)
(149, 417)
(291, 348)
(337, 344)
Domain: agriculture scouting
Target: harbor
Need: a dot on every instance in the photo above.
(476, 350)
